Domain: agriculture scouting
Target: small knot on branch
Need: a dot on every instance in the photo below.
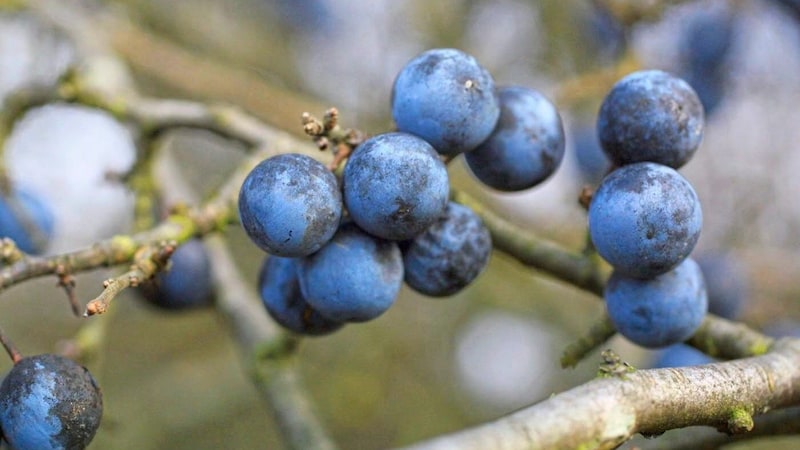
(740, 421)
(9, 252)
(613, 365)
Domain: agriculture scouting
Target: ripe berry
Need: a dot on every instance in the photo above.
(527, 145)
(680, 355)
(290, 205)
(187, 283)
(651, 116)
(660, 311)
(445, 97)
(395, 186)
(449, 255)
(49, 402)
(27, 220)
(280, 292)
(354, 278)
(644, 219)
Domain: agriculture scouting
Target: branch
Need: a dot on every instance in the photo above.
(774, 423)
(214, 215)
(606, 412)
(268, 353)
(599, 333)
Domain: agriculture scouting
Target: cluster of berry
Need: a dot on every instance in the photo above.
(645, 218)
(399, 226)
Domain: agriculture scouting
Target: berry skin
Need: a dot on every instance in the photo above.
(449, 255)
(187, 283)
(726, 283)
(651, 116)
(592, 161)
(395, 186)
(680, 355)
(36, 213)
(644, 219)
(49, 402)
(354, 278)
(290, 205)
(445, 97)
(661, 311)
(280, 292)
(527, 145)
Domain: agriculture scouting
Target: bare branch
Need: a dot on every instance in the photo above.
(268, 353)
(606, 412)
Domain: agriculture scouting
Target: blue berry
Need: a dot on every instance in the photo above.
(26, 219)
(49, 402)
(280, 292)
(449, 255)
(791, 7)
(603, 35)
(708, 38)
(644, 219)
(704, 48)
(651, 116)
(187, 283)
(526, 146)
(680, 355)
(660, 311)
(354, 278)
(726, 283)
(445, 97)
(395, 186)
(290, 205)
(592, 161)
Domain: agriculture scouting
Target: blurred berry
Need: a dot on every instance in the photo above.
(187, 283)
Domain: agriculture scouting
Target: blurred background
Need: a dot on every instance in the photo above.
(428, 366)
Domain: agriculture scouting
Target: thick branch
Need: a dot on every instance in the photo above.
(606, 412)
(268, 353)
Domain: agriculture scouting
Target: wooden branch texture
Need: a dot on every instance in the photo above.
(604, 413)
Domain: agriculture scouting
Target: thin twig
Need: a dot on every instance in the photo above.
(268, 353)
